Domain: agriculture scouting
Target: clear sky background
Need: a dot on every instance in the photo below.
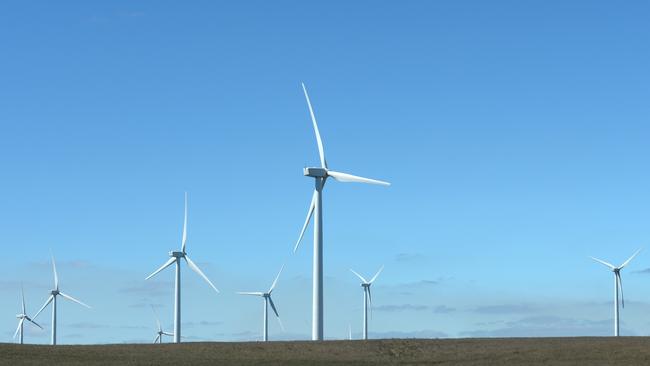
(515, 135)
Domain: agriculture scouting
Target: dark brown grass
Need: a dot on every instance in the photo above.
(510, 351)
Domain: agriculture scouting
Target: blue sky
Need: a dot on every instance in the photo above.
(514, 133)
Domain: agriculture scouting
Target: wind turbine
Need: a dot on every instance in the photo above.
(267, 300)
(320, 175)
(22, 317)
(618, 284)
(52, 299)
(367, 298)
(160, 331)
(175, 257)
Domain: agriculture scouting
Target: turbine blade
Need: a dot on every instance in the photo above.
(184, 226)
(611, 266)
(35, 323)
(73, 299)
(321, 151)
(280, 322)
(196, 269)
(56, 276)
(358, 275)
(370, 300)
(168, 334)
(629, 259)
(156, 316)
(22, 295)
(156, 339)
(251, 293)
(312, 205)
(20, 324)
(620, 286)
(376, 275)
(349, 332)
(47, 302)
(167, 264)
(348, 178)
(273, 307)
(275, 282)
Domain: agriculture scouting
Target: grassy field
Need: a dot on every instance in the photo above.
(511, 351)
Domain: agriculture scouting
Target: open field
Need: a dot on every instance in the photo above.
(511, 351)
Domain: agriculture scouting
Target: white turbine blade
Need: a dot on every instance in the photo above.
(20, 323)
(56, 276)
(196, 269)
(155, 340)
(251, 293)
(611, 266)
(629, 259)
(22, 295)
(280, 322)
(312, 205)
(168, 334)
(156, 316)
(376, 275)
(35, 323)
(47, 302)
(184, 226)
(348, 178)
(273, 307)
(321, 151)
(167, 264)
(370, 300)
(73, 299)
(349, 332)
(275, 282)
(620, 286)
(358, 275)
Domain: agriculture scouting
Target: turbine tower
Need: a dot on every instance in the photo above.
(320, 175)
(175, 257)
(52, 299)
(22, 317)
(267, 300)
(618, 285)
(160, 331)
(367, 298)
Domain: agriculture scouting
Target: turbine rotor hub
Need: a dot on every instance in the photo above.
(54, 292)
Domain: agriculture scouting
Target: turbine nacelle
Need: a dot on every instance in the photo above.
(315, 172)
(175, 254)
(54, 292)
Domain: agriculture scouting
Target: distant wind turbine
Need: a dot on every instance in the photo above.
(618, 284)
(160, 332)
(367, 298)
(52, 299)
(267, 300)
(22, 317)
(175, 257)
(320, 175)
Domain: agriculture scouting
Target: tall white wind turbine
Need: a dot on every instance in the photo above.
(160, 332)
(52, 299)
(367, 298)
(267, 300)
(22, 317)
(175, 257)
(618, 285)
(320, 175)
